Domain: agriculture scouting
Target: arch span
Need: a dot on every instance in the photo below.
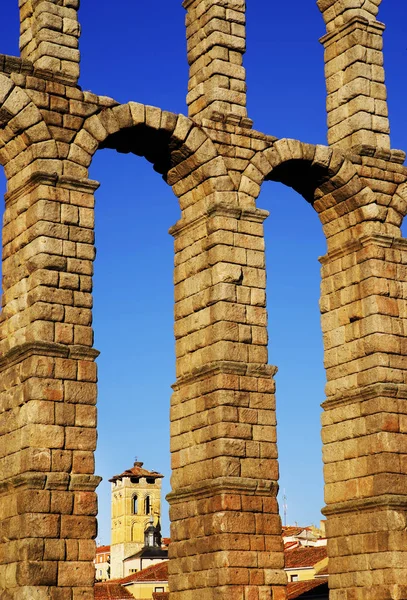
(327, 179)
(314, 171)
(177, 147)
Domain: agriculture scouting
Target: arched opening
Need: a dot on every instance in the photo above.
(133, 322)
(301, 175)
(147, 505)
(294, 240)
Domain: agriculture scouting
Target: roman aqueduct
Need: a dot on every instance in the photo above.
(225, 530)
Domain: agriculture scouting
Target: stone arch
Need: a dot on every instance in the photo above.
(314, 171)
(176, 146)
(329, 181)
(135, 503)
(134, 525)
(147, 504)
(24, 135)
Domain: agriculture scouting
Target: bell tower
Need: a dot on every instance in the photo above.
(136, 504)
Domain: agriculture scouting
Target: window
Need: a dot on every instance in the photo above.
(134, 479)
(147, 505)
(293, 577)
(150, 480)
(135, 505)
(158, 589)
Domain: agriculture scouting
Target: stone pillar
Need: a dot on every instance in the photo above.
(48, 393)
(357, 96)
(216, 37)
(49, 36)
(364, 310)
(226, 531)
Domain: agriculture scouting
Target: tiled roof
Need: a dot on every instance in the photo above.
(102, 549)
(291, 545)
(157, 572)
(288, 530)
(111, 591)
(136, 471)
(304, 556)
(296, 588)
(161, 595)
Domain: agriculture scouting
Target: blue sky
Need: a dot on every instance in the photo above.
(136, 51)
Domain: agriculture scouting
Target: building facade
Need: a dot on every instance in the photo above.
(102, 563)
(136, 500)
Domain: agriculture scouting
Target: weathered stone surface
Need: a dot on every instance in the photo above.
(226, 541)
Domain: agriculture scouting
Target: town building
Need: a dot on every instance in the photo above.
(102, 563)
(305, 562)
(111, 591)
(144, 584)
(136, 507)
(293, 535)
(152, 552)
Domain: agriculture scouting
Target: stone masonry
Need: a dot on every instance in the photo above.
(226, 542)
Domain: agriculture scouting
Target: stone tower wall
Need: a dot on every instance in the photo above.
(226, 531)
(127, 527)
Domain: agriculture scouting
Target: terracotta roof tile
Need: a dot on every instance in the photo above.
(297, 588)
(161, 596)
(288, 530)
(157, 572)
(111, 591)
(137, 471)
(102, 549)
(291, 545)
(304, 556)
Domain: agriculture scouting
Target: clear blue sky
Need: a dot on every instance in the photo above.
(136, 51)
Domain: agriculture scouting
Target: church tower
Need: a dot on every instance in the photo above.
(136, 505)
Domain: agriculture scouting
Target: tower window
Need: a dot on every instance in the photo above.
(150, 480)
(135, 479)
(135, 505)
(147, 505)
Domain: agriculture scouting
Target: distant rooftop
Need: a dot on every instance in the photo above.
(111, 591)
(304, 556)
(137, 471)
(157, 572)
(296, 589)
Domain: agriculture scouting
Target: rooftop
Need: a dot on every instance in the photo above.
(137, 471)
(148, 552)
(304, 556)
(157, 572)
(111, 591)
(289, 530)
